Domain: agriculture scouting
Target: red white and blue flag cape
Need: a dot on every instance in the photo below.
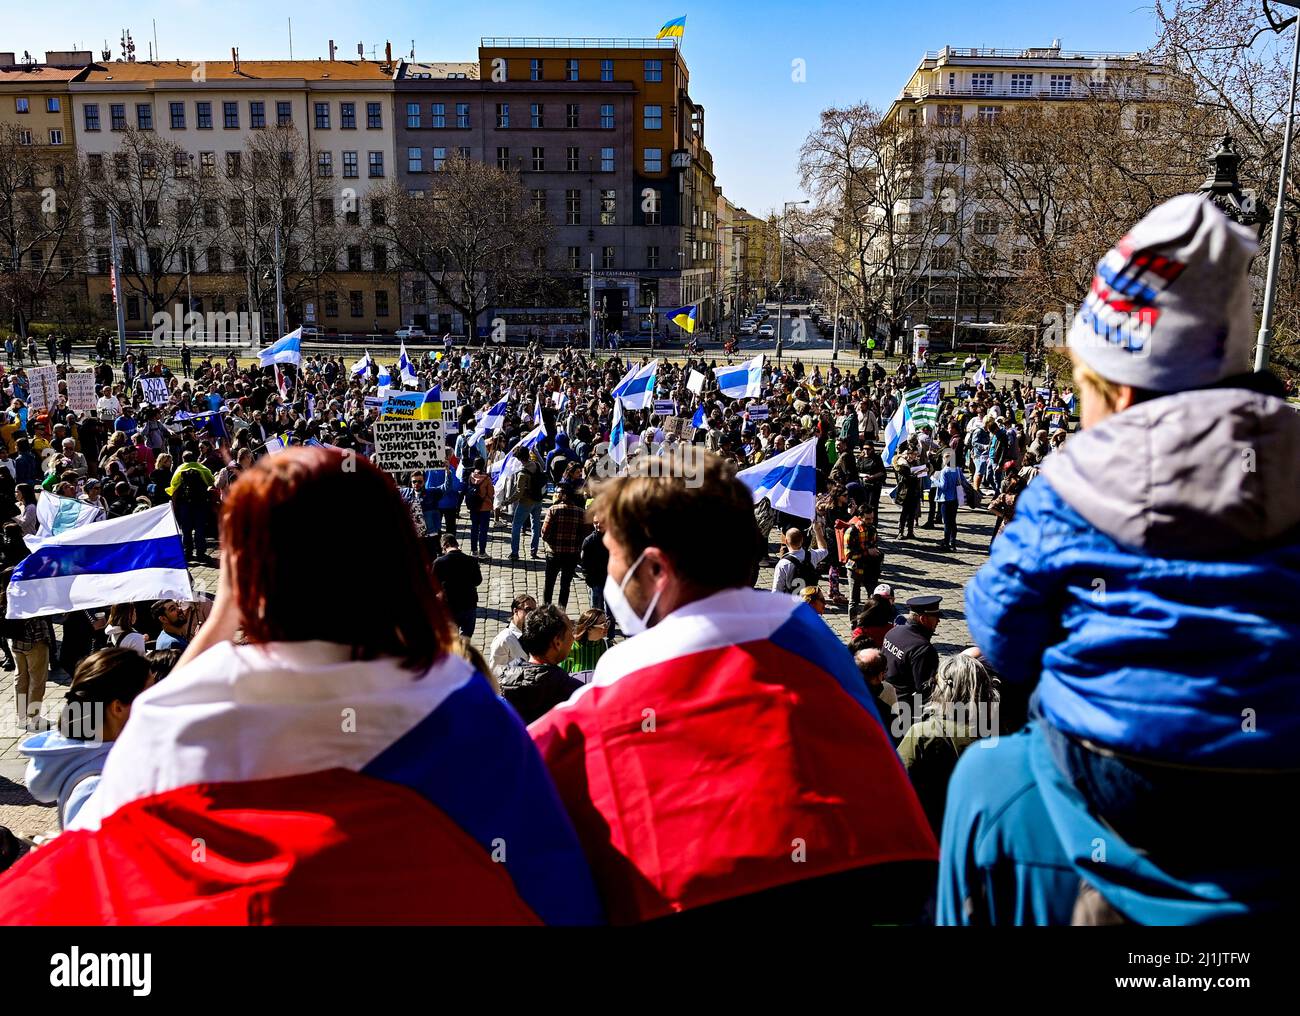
(707, 748)
(288, 784)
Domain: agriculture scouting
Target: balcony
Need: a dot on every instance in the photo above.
(516, 42)
(1030, 53)
(1080, 90)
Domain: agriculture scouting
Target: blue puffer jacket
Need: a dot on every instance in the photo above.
(1150, 583)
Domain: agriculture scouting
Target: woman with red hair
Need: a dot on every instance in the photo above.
(335, 760)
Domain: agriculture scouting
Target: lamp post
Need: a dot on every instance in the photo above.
(1275, 241)
(780, 306)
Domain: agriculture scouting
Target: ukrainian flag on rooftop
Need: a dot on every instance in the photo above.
(674, 29)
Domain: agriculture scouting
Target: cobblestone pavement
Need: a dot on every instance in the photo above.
(911, 566)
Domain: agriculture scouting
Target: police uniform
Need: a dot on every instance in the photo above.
(910, 660)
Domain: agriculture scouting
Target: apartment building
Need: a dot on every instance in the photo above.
(213, 110)
(970, 253)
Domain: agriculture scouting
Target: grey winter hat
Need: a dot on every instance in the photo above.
(1170, 305)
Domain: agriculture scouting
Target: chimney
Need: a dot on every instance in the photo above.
(234, 56)
(332, 49)
(388, 53)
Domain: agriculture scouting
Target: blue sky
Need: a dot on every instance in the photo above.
(739, 51)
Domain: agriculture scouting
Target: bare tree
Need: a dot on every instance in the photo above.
(474, 235)
(40, 224)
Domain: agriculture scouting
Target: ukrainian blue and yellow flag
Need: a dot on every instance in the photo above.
(685, 318)
(431, 406)
(674, 29)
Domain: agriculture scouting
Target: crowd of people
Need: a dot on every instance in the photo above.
(697, 748)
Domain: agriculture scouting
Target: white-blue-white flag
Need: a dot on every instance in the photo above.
(385, 382)
(56, 514)
(491, 421)
(637, 389)
(618, 436)
(897, 431)
(285, 350)
(981, 375)
(136, 557)
(511, 464)
(406, 369)
(744, 381)
(559, 400)
(537, 407)
(788, 480)
(699, 419)
(362, 366)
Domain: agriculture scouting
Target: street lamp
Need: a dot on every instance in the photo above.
(780, 307)
(1275, 242)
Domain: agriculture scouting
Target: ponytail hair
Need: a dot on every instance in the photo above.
(106, 676)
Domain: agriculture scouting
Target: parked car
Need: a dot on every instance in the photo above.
(411, 332)
(766, 331)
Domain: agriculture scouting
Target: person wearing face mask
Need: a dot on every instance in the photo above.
(712, 690)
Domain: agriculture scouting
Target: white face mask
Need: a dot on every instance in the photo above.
(616, 601)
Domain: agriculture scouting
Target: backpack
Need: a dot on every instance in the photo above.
(192, 489)
(805, 572)
(532, 485)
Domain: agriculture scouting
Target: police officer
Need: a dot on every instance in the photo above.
(910, 660)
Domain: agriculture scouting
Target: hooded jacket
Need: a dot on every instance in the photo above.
(534, 688)
(63, 771)
(1150, 583)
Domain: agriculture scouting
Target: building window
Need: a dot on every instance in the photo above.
(607, 257)
(609, 208)
(91, 113)
(56, 138)
(654, 118)
(414, 160)
(607, 160)
(571, 159)
(949, 116)
(144, 116)
(1062, 83)
(539, 160)
(607, 117)
(573, 208)
(654, 213)
(52, 104)
(283, 114)
(208, 164)
(325, 210)
(181, 165)
(322, 116)
(232, 164)
(203, 115)
(256, 115)
(1022, 84)
(575, 258)
(324, 164)
(176, 112)
(348, 116)
(536, 115)
(230, 115)
(947, 151)
(412, 114)
(607, 70)
(439, 159)
(211, 216)
(652, 257)
(331, 305)
(988, 114)
(539, 200)
(21, 105)
(571, 115)
(374, 116)
(503, 114)
(95, 167)
(25, 138)
(379, 257)
(350, 165)
(462, 114)
(654, 70)
(986, 223)
(437, 115)
(1146, 119)
(503, 158)
(463, 152)
(356, 300)
(117, 113)
(571, 69)
(376, 164)
(654, 160)
(981, 82)
(235, 212)
(534, 70)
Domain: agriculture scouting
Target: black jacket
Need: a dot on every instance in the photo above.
(534, 688)
(910, 660)
(594, 559)
(460, 576)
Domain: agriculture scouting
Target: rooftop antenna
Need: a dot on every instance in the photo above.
(291, 38)
(332, 49)
(156, 53)
(361, 50)
(106, 54)
(412, 49)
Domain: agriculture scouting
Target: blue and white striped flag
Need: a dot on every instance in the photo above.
(136, 557)
(981, 375)
(618, 436)
(362, 366)
(491, 421)
(511, 464)
(559, 400)
(741, 382)
(637, 389)
(900, 426)
(285, 350)
(788, 480)
(406, 369)
(384, 382)
(537, 407)
(57, 514)
(699, 419)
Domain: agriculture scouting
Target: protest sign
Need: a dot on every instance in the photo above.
(665, 407)
(695, 382)
(410, 444)
(81, 391)
(402, 406)
(155, 390)
(451, 412)
(680, 428)
(43, 387)
(758, 411)
(373, 402)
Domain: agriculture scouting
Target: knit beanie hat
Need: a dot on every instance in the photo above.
(1170, 306)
